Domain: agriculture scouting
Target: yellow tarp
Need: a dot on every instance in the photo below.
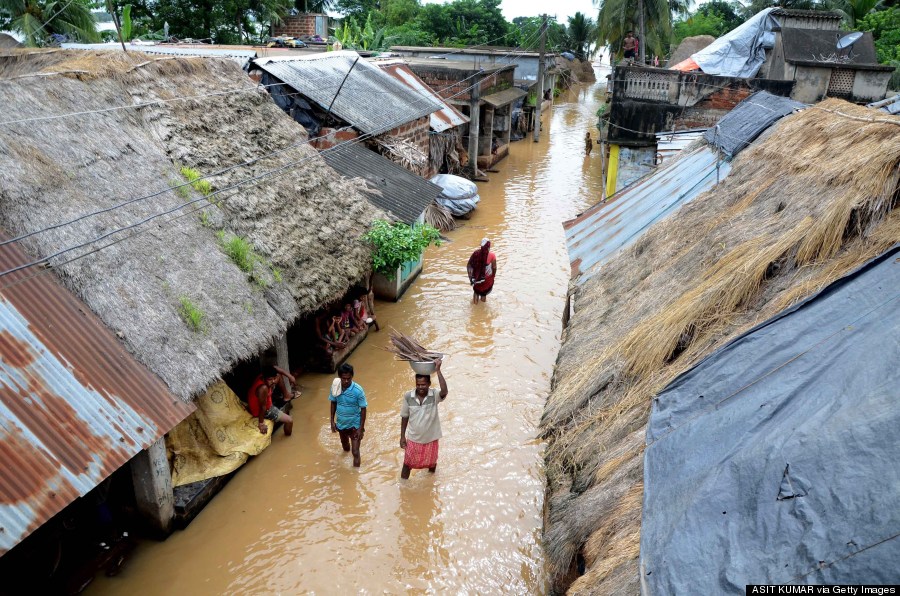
(216, 439)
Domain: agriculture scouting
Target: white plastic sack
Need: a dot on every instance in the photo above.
(458, 207)
(455, 187)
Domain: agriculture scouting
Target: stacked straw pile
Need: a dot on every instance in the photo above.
(800, 209)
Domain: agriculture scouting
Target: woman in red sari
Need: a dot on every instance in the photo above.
(482, 268)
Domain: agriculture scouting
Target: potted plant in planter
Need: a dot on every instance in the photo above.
(397, 254)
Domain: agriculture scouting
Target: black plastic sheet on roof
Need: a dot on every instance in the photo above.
(775, 460)
(749, 119)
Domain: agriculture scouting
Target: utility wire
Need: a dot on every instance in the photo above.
(179, 207)
(429, 98)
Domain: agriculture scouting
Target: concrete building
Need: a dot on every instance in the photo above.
(525, 63)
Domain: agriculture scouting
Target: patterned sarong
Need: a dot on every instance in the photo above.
(421, 455)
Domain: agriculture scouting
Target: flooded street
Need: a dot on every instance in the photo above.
(300, 519)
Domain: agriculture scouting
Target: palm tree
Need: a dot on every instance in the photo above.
(582, 34)
(319, 6)
(854, 10)
(618, 17)
(37, 20)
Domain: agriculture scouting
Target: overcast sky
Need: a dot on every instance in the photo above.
(563, 9)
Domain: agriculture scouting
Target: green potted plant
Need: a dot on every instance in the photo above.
(396, 254)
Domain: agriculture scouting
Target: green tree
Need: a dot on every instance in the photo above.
(617, 17)
(713, 18)
(854, 10)
(885, 28)
(582, 35)
(37, 20)
(524, 32)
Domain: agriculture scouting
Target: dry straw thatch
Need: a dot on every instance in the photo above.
(800, 209)
(304, 226)
(688, 47)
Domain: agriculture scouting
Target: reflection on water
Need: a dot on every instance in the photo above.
(300, 518)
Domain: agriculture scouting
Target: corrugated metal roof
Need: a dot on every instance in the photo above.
(398, 191)
(370, 100)
(601, 231)
(505, 97)
(670, 144)
(740, 127)
(445, 118)
(241, 56)
(74, 405)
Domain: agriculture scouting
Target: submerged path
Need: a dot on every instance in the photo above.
(299, 518)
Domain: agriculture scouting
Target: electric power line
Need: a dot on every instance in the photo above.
(157, 215)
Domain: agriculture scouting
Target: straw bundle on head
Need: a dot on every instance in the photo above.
(811, 202)
(303, 227)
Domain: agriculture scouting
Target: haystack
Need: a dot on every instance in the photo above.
(688, 47)
(8, 41)
(303, 224)
(809, 203)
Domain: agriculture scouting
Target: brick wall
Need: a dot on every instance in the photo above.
(455, 84)
(725, 99)
(416, 132)
(302, 24)
(331, 137)
(445, 83)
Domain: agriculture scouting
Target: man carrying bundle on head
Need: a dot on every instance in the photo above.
(482, 268)
(420, 425)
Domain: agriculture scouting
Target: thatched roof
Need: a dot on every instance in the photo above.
(689, 46)
(801, 208)
(8, 41)
(304, 225)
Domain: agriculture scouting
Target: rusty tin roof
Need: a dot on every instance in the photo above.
(74, 404)
(445, 118)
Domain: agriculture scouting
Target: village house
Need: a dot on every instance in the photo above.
(445, 136)
(526, 63)
(790, 53)
(199, 235)
(338, 96)
(485, 95)
(718, 375)
(394, 190)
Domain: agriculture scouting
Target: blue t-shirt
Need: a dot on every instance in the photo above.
(348, 404)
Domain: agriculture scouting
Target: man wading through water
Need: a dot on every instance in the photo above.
(420, 426)
(350, 407)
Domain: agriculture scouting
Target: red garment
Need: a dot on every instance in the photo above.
(419, 456)
(490, 270)
(253, 400)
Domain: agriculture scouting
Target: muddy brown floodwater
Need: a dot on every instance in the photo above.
(300, 519)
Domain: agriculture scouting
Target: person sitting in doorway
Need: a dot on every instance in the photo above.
(362, 315)
(259, 400)
(329, 334)
(348, 322)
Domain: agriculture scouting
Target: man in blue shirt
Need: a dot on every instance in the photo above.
(348, 412)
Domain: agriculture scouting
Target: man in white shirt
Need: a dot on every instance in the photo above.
(420, 425)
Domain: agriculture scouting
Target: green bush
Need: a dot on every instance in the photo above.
(398, 243)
